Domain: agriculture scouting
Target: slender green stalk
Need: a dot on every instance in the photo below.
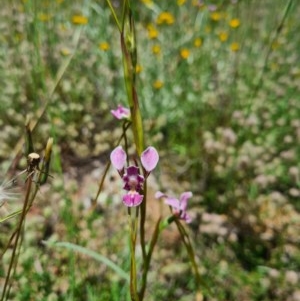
(36, 177)
(142, 224)
(114, 14)
(133, 276)
(129, 56)
(129, 53)
(12, 263)
(190, 250)
(147, 260)
(272, 40)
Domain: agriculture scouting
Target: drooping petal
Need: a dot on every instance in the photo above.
(132, 199)
(118, 158)
(132, 179)
(184, 199)
(186, 217)
(159, 195)
(121, 112)
(149, 158)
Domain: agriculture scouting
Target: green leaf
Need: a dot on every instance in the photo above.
(90, 253)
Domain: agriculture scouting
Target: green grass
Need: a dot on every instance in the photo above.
(226, 124)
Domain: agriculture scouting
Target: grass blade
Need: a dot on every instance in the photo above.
(98, 257)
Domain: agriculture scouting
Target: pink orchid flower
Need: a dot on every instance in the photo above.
(121, 113)
(133, 180)
(178, 206)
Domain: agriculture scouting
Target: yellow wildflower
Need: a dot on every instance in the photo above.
(44, 17)
(65, 51)
(180, 2)
(235, 46)
(156, 49)
(234, 23)
(147, 1)
(199, 4)
(104, 46)
(152, 32)
(138, 68)
(158, 84)
(198, 42)
(275, 45)
(207, 29)
(79, 20)
(274, 66)
(19, 37)
(184, 53)
(165, 18)
(216, 16)
(223, 36)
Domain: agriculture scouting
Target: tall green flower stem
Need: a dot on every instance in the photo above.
(129, 55)
(190, 250)
(132, 217)
(129, 51)
(157, 230)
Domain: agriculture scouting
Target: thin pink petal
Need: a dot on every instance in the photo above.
(159, 195)
(118, 158)
(173, 203)
(149, 158)
(187, 218)
(184, 199)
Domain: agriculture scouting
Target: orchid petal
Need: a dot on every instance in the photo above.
(149, 158)
(159, 195)
(118, 158)
(184, 198)
(132, 199)
(173, 203)
(121, 112)
(186, 217)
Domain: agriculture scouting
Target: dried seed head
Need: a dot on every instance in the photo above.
(33, 161)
